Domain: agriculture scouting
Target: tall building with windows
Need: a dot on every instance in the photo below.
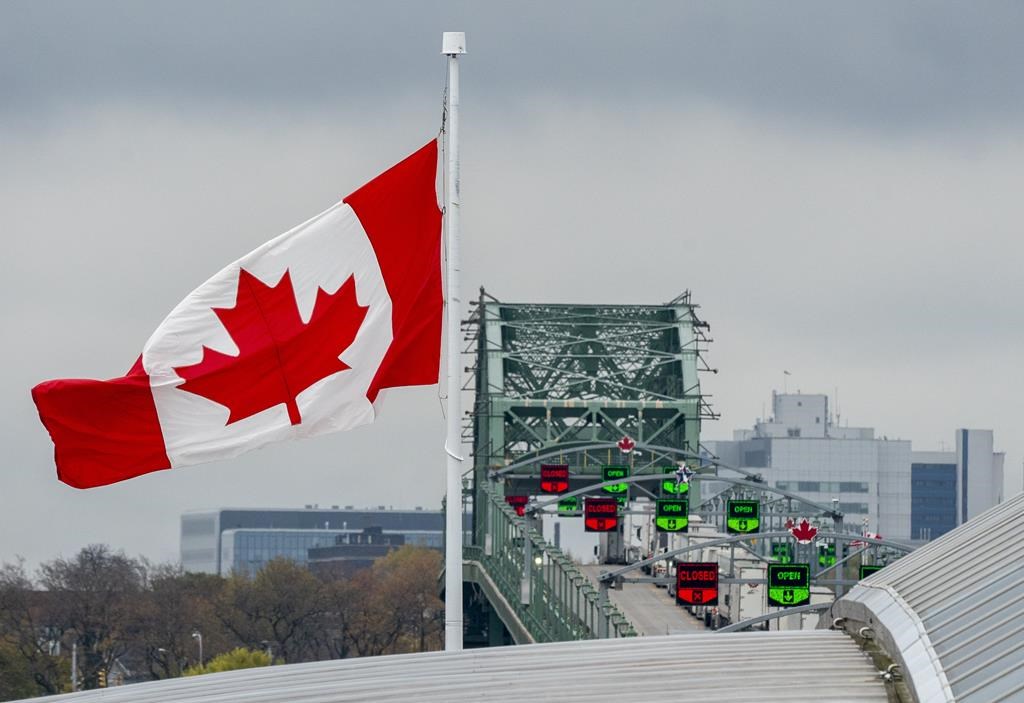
(883, 483)
(242, 540)
(949, 488)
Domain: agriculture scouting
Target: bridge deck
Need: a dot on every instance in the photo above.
(648, 607)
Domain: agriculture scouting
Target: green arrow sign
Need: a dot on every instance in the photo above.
(570, 505)
(672, 486)
(743, 517)
(782, 552)
(672, 515)
(826, 555)
(789, 585)
(611, 473)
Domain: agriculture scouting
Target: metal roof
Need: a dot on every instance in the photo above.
(950, 612)
(766, 666)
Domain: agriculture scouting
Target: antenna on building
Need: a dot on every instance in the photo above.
(838, 418)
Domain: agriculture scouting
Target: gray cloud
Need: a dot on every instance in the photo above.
(838, 187)
(874, 65)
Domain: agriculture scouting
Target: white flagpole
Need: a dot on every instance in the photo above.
(452, 45)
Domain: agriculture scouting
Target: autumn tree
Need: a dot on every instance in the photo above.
(283, 606)
(391, 607)
(406, 580)
(118, 609)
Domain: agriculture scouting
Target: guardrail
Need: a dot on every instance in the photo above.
(557, 602)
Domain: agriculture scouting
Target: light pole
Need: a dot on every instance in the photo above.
(198, 636)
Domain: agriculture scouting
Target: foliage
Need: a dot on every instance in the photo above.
(133, 620)
(94, 599)
(16, 680)
(238, 658)
(26, 629)
(176, 605)
(283, 606)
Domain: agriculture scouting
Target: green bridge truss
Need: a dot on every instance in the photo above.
(548, 377)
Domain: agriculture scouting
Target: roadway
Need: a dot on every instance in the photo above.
(648, 607)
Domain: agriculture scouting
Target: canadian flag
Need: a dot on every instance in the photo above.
(295, 339)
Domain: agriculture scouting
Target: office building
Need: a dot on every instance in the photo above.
(949, 488)
(242, 540)
(883, 483)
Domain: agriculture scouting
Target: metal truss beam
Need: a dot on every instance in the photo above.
(744, 624)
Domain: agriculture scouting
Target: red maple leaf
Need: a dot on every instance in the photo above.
(804, 532)
(279, 356)
(626, 444)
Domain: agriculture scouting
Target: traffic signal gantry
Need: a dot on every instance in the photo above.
(742, 517)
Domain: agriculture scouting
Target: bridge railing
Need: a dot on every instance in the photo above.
(561, 602)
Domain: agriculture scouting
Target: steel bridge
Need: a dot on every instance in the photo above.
(563, 384)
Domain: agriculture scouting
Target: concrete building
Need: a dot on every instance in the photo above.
(229, 540)
(884, 483)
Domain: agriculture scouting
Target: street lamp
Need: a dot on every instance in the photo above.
(198, 636)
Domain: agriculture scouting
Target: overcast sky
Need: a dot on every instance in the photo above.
(838, 186)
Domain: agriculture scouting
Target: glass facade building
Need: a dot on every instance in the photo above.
(230, 540)
(933, 495)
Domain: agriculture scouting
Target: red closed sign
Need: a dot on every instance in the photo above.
(697, 583)
(600, 514)
(554, 478)
(519, 503)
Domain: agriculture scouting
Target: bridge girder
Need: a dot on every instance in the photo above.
(549, 375)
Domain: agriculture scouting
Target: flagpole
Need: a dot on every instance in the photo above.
(452, 45)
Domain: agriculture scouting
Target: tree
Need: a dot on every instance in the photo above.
(123, 610)
(239, 658)
(95, 598)
(283, 606)
(407, 582)
(176, 605)
(389, 608)
(364, 618)
(28, 631)
(16, 679)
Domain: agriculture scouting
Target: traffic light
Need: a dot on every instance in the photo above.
(101, 678)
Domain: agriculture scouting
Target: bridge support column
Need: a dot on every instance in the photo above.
(837, 521)
(524, 584)
(602, 605)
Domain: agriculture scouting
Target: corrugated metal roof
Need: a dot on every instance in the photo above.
(767, 666)
(950, 612)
